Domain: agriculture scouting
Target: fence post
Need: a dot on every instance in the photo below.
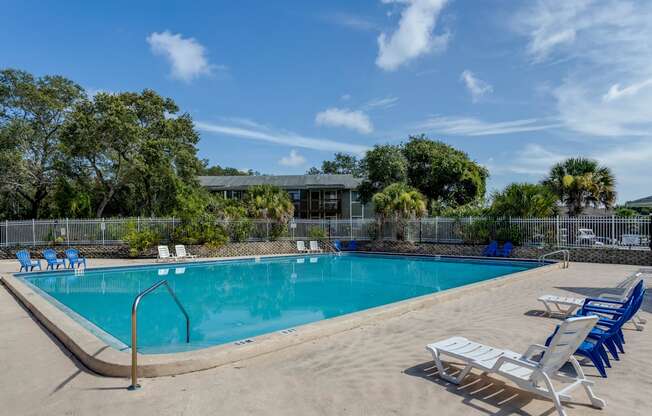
(613, 230)
(67, 232)
(7, 233)
(557, 233)
(103, 227)
(138, 223)
(351, 226)
(33, 233)
(437, 229)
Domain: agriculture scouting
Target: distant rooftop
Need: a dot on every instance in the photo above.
(282, 181)
(641, 203)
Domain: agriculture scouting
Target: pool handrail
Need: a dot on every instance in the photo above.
(566, 260)
(134, 327)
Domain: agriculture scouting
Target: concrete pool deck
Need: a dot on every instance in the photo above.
(379, 367)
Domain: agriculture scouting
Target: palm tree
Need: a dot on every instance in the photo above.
(270, 203)
(399, 202)
(580, 182)
(524, 200)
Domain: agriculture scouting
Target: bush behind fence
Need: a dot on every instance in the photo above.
(554, 232)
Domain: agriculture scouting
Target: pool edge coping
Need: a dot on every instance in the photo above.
(103, 359)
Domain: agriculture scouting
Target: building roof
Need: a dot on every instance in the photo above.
(640, 203)
(218, 183)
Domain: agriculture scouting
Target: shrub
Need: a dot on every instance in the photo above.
(140, 241)
(317, 233)
(278, 230)
(240, 230)
(193, 233)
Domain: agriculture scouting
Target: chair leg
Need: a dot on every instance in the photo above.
(605, 357)
(611, 346)
(595, 400)
(554, 396)
(597, 362)
(442, 372)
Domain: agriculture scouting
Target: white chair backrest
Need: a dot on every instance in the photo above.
(632, 284)
(180, 250)
(301, 246)
(163, 252)
(314, 246)
(571, 333)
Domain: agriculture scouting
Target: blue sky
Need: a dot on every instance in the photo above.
(280, 86)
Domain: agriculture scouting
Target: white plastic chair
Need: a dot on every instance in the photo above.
(301, 247)
(164, 254)
(180, 250)
(525, 371)
(314, 247)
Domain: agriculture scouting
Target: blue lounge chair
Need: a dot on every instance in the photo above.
(53, 262)
(352, 246)
(614, 313)
(505, 250)
(73, 258)
(491, 249)
(26, 262)
(606, 335)
(337, 245)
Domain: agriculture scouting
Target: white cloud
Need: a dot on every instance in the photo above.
(605, 44)
(380, 103)
(468, 126)
(254, 131)
(616, 91)
(343, 117)
(186, 55)
(293, 159)
(414, 36)
(476, 86)
(352, 21)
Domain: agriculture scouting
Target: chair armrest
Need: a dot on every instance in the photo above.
(508, 360)
(533, 349)
(603, 300)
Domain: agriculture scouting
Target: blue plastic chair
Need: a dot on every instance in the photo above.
(353, 245)
(621, 311)
(26, 262)
(505, 250)
(74, 259)
(491, 249)
(607, 333)
(337, 244)
(53, 262)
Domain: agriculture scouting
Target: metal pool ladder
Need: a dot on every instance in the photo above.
(566, 261)
(134, 327)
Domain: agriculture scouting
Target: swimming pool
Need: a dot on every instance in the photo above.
(234, 300)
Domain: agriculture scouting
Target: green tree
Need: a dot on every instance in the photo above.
(341, 164)
(218, 170)
(524, 200)
(269, 202)
(399, 202)
(32, 112)
(138, 151)
(442, 173)
(580, 182)
(383, 165)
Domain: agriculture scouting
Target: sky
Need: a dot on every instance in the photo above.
(279, 86)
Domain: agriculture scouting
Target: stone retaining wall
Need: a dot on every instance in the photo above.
(588, 255)
(122, 251)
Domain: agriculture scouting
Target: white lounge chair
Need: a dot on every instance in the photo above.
(566, 306)
(180, 250)
(314, 247)
(301, 247)
(164, 254)
(535, 376)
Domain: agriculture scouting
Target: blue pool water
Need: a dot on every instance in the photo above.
(234, 300)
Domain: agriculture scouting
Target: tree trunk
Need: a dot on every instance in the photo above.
(105, 200)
